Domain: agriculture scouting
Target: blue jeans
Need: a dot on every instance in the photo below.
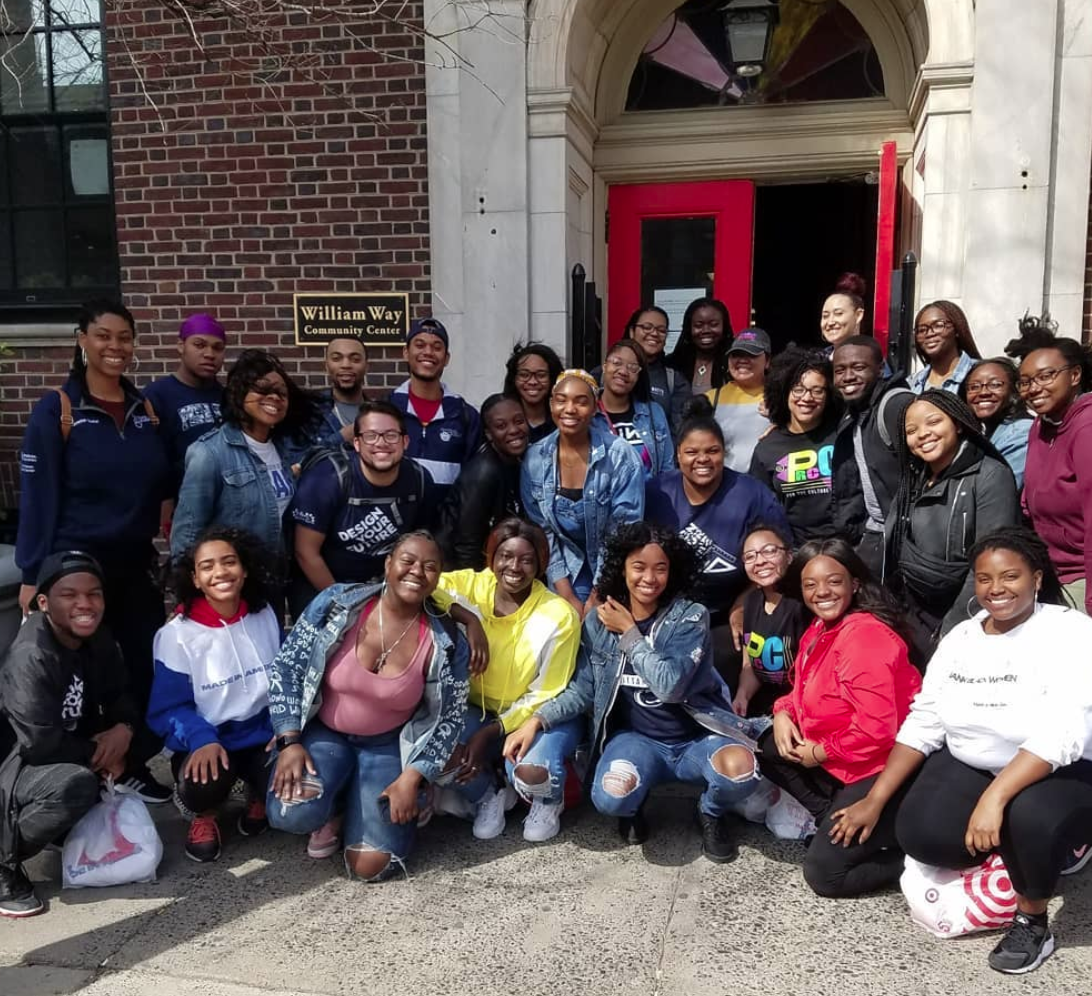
(550, 750)
(354, 770)
(632, 758)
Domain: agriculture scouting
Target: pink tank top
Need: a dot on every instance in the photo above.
(357, 701)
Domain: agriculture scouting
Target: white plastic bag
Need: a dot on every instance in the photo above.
(952, 903)
(114, 843)
(787, 818)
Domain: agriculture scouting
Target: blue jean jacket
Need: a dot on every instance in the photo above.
(1011, 440)
(676, 661)
(430, 735)
(650, 421)
(226, 484)
(614, 492)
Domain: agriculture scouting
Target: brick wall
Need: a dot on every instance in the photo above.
(232, 192)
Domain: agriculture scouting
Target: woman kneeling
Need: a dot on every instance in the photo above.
(1000, 732)
(660, 712)
(391, 673)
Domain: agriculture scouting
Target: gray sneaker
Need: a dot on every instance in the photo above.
(17, 897)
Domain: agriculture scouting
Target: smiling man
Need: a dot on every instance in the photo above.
(444, 431)
(346, 368)
(65, 720)
(865, 464)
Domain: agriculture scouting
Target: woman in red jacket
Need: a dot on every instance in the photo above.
(831, 734)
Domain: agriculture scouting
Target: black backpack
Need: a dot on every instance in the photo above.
(342, 459)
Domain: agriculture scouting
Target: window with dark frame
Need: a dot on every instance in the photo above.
(57, 230)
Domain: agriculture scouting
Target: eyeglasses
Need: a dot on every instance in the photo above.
(269, 391)
(370, 437)
(526, 376)
(938, 326)
(799, 391)
(767, 552)
(616, 364)
(659, 331)
(978, 386)
(1044, 378)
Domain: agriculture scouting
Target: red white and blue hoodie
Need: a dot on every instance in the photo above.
(211, 682)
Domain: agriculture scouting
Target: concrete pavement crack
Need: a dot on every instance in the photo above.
(663, 934)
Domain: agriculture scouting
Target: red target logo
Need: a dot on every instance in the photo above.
(991, 899)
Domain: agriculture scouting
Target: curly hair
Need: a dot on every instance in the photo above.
(954, 314)
(303, 419)
(683, 573)
(786, 371)
(1011, 409)
(1032, 551)
(642, 389)
(513, 528)
(685, 354)
(519, 351)
(870, 597)
(1042, 333)
(262, 565)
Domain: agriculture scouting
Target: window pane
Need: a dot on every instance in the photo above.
(91, 247)
(18, 15)
(35, 166)
(39, 250)
(5, 251)
(77, 70)
(23, 74)
(676, 265)
(66, 12)
(87, 163)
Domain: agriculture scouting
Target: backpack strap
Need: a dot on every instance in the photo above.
(881, 408)
(66, 414)
(150, 412)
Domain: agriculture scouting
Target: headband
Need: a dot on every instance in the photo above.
(579, 374)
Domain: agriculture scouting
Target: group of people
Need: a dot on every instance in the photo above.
(796, 579)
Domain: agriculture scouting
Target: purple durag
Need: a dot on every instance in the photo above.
(201, 324)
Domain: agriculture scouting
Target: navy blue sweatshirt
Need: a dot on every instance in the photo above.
(185, 415)
(100, 491)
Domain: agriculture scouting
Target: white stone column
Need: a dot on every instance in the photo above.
(477, 170)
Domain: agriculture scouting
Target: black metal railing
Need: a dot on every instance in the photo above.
(585, 346)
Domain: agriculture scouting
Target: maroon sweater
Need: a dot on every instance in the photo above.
(1058, 491)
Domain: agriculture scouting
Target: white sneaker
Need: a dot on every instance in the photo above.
(489, 819)
(543, 821)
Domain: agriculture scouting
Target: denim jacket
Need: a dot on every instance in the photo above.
(430, 735)
(676, 660)
(614, 489)
(227, 485)
(650, 421)
(1011, 440)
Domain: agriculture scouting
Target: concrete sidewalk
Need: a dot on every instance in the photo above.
(580, 916)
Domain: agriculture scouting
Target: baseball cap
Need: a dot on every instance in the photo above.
(59, 565)
(431, 325)
(752, 341)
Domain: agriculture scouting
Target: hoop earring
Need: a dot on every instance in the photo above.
(83, 355)
(135, 364)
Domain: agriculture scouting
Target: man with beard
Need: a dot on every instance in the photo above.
(865, 462)
(444, 431)
(346, 368)
(347, 514)
(65, 719)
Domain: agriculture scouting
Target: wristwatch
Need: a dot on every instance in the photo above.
(288, 739)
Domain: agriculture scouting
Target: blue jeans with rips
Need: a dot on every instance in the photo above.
(633, 758)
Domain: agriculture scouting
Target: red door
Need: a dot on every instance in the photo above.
(670, 243)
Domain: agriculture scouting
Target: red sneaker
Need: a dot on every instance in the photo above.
(252, 821)
(203, 839)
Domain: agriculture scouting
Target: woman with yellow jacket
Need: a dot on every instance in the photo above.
(533, 639)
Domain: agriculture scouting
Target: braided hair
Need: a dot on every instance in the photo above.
(685, 354)
(1041, 332)
(1032, 551)
(913, 471)
(954, 313)
(786, 371)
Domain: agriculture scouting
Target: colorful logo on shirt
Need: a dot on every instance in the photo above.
(805, 470)
(769, 658)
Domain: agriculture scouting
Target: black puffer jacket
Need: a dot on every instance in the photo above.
(41, 685)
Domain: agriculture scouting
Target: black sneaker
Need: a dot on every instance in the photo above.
(252, 821)
(1076, 859)
(1025, 947)
(203, 839)
(633, 829)
(140, 782)
(717, 843)
(17, 898)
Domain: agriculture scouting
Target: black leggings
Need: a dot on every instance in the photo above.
(831, 869)
(1040, 825)
(250, 764)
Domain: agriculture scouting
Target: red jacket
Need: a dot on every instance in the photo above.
(852, 689)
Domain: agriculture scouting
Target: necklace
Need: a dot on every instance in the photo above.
(702, 369)
(381, 660)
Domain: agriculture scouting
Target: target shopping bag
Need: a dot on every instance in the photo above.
(951, 903)
(114, 843)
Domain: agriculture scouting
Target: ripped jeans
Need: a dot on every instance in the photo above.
(550, 750)
(631, 756)
(352, 771)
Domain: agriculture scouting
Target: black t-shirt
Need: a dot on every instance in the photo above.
(797, 467)
(772, 639)
(637, 709)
